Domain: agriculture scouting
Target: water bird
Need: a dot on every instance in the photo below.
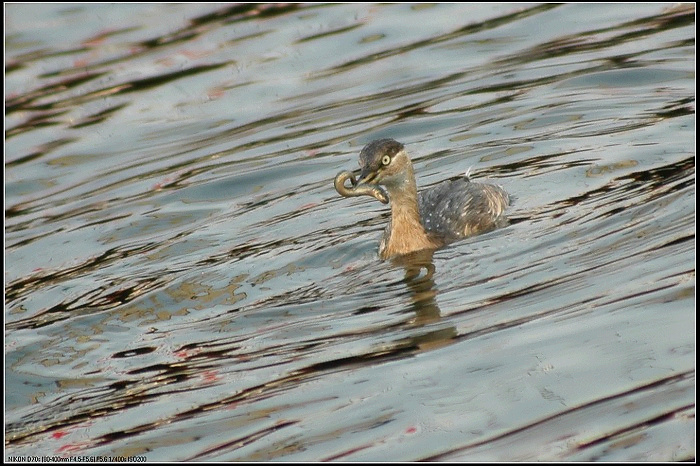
(431, 218)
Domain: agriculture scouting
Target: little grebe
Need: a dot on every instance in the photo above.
(429, 219)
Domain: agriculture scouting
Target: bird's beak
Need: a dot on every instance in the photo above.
(366, 176)
(360, 187)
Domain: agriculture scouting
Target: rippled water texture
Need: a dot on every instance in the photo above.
(182, 282)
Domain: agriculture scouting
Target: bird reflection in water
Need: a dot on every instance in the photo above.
(419, 272)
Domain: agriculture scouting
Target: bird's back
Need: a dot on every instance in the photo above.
(459, 208)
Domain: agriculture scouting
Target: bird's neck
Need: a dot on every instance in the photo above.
(404, 206)
(406, 232)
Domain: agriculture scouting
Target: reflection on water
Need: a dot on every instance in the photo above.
(184, 283)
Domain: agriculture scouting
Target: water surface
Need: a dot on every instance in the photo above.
(182, 281)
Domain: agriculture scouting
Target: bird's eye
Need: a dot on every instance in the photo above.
(386, 160)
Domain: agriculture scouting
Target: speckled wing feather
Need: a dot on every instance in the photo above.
(459, 208)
